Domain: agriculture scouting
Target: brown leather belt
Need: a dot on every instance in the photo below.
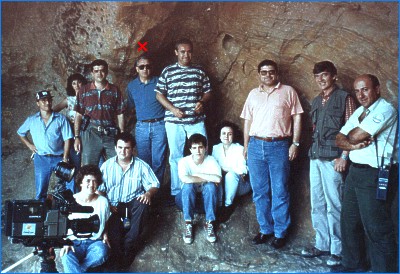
(152, 120)
(271, 139)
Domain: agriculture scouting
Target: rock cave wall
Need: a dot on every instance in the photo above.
(44, 42)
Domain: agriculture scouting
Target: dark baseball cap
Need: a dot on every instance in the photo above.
(43, 94)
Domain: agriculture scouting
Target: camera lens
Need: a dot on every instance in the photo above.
(64, 171)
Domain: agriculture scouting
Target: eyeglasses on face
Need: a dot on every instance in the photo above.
(142, 67)
(267, 72)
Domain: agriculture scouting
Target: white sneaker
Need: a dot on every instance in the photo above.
(334, 260)
(210, 232)
(188, 235)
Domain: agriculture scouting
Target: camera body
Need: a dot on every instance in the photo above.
(37, 223)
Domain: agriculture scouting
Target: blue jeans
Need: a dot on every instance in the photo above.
(234, 185)
(44, 166)
(88, 254)
(269, 168)
(177, 134)
(188, 200)
(151, 144)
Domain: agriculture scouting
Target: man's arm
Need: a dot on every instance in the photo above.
(294, 150)
(77, 129)
(26, 142)
(60, 106)
(349, 143)
(121, 122)
(168, 105)
(67, 145)
(200, 178)
(209, 177)
(199, 108)
(246, 136)
(146, 197)
(341, 163)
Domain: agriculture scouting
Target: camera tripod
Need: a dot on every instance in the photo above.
(46, 258)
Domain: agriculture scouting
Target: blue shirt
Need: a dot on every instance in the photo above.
(143, 97)
(48, 139)
(125, 186)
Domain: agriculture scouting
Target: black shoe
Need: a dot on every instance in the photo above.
(261, 238)
(225, 213)
(342, 269)
(278, 242)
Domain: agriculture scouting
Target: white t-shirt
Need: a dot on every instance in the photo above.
(186, 166)
(233, 160)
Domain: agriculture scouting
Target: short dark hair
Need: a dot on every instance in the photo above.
(99, 62)
(71, 78)
(233, 126)
(197, 138)
(374, 80)
(126, 137)
(183, 41)
(267, 62)
(93, 170)
(144, 56)
(325, 66)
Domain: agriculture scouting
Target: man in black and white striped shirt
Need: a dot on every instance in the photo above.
(183, 89)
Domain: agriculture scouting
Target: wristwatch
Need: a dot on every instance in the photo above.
(344, 157)
(77, 137)
(297, 144)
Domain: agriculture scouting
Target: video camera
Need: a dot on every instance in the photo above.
(37, 223)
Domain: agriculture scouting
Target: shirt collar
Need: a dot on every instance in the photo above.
(93, 86)
(53, 114)
(374, 105)
(151, 81)
(335, 87)
(261, 87)
(130, 164)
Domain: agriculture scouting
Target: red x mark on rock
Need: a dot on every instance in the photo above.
(142, 46)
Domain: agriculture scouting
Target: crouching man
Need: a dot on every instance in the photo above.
(129, 185)
(199, 174)
(92, 251)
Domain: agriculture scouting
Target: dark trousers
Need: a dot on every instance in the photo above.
(125, 242)
(366, 223)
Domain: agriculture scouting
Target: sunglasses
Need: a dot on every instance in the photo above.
(142, 67)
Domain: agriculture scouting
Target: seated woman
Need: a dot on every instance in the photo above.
(230, 157)
(92, 251)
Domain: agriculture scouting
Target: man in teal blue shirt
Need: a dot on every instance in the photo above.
(51, 134)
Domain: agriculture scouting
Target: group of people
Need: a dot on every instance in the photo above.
(170, 109)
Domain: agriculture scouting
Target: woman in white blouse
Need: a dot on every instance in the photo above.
(230, 157)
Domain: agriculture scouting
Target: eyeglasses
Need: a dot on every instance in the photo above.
(142, 67)
(267, 72)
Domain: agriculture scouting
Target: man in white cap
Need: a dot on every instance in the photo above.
(50, 143)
